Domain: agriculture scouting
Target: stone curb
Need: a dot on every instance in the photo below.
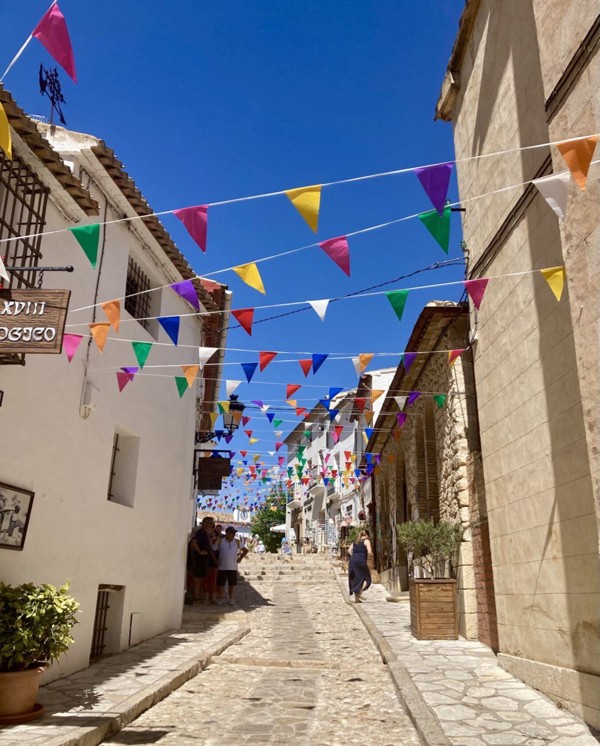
(111, 721)
(422, 716)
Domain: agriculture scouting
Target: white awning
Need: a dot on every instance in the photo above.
(280, 529)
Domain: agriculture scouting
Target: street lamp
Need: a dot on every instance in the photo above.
(231, 421)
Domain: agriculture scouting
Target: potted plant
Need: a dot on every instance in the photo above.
(431, 548)
(35, 627)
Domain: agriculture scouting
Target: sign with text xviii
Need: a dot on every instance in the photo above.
(32, 320)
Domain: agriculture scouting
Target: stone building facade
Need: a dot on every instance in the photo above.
(525, 74)
(430, 464)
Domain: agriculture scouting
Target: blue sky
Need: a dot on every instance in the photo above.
(210, 101)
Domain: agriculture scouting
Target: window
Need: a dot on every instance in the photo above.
(123, 468)
(137, 300)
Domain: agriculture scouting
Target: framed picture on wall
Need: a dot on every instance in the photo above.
(15, 509)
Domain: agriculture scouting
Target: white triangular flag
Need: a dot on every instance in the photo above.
(271, 453)
(231, 386)
(357, 365)
(265, 408)
(205, 353)
(401, 401)
(555, 190)
(278, 433)
(3, 272)
(320, 307)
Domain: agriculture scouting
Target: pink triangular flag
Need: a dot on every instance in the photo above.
(123, 379)
(476, 290)
(53, 33)
(195, 220)
(70, 344)
(337, 249)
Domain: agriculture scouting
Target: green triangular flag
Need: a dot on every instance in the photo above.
(307, 433)
(276, 423)
(142, 350)
(440, 400)
(182, 385)
(438, 225)
(398, 300)
(88, 237)
(221, 408)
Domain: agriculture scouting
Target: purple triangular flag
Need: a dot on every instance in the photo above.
(412, 397)
(409, 359)
(187, 291)
(401, 417)
(435, 181)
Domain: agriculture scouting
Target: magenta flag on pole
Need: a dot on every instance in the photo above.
(476, 290)
(337, 249)
(187, 290)
(70, 344)
(52, 31)
(195, 220)
(435, 181)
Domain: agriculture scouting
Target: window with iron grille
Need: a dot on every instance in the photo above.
(138, 300)
(123, 467)
(23, 202)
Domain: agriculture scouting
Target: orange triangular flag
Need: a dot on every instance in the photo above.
(453, 355)
(555, 277)
(292, 402)
(578, 155)
(100, 333)
(363, 360)
(396, 434)
(375, 394)
(307, 200)
(112, 309)
(368, 416)
(190, 372)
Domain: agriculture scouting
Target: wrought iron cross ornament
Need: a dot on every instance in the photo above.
(50, 86)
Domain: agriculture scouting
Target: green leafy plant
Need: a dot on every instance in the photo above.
(272, 514)
(35, 624)
(431, 544)
(355, 531)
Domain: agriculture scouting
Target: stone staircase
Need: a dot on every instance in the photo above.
(273, 567)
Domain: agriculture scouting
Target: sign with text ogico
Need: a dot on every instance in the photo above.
(33, 320)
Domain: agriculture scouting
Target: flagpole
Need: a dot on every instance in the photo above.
(19, 53)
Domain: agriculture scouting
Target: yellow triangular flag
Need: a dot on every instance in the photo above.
(366, 439)
(214, 416)
(100, 333)
(190, 372)
(256, 457)
(375, 394)
(555, 277)
(253, 441)
(307, 200)
(112, 309)
(240, 471)
(251, 276)
(224, 407)
(5, 138)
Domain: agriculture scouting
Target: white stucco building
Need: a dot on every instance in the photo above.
(111, 472)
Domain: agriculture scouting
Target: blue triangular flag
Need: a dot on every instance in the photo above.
(270, 416)
(334, 391)
(369, 431)
(171, 325)
(333, 413)
(317, 361)
(249, 369)
(324, 403)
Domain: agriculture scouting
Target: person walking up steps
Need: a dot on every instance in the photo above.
(359, 575)
(229, 556)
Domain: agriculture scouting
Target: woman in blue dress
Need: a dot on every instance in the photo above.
(359, 575)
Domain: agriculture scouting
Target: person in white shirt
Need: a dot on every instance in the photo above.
(229, 556)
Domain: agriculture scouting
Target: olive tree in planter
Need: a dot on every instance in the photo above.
(35, 629)
(432, 548)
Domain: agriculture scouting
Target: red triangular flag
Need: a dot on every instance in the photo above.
(360, 403)
(278, 445)
(264, 358)
(195, 220)
(476, 290)
(453, 355)
(306, 366)
(245, 316)
(243, 454)
(300, 411)
(52, 31)
(123, 379)
(291, 389)
(249, 433)
(337, 249)
(245, 420)
(347, 454)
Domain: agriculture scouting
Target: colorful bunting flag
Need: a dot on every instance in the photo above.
(249, 369)
(112, 309)
(408, 359)
(578, 155)
(440, 400)
(265, 358)
(205, 354)
(190, 372)
(307, 200)
(251, 276)
(53, 33)
(361, 362)
(231, 386)
(368, 416)
(400, 401)
(182, 386)
(412, 397)
(300, 411)
(376, 393)
(123, 379)
(320, 307)
(223, 407)
(276, 423)
(317, 361)
(397, 298)
(88, 237)
(337, 250)
(360, 403)
(438, 226)
(244, 316)
(187, 291)
(476, 290)
(100, 333)
(555, 190)
(334, 391)
(70, 344)
(292, 402)
(306, 366)
(171, 326)
(435, 181)
(401, 417)
(195, 220)
(453, 356)
(555, 277)
(291, 389)
(141, 351)
(5, 136)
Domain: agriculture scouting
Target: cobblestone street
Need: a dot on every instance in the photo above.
(308, 673)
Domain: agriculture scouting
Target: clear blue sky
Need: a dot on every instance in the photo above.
(210, 101)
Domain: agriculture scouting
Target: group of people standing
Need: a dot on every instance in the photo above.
(213, 557)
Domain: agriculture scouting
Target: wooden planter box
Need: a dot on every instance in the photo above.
(433, 614)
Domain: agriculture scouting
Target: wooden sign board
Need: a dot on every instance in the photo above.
(208, 482)
(217, 467)
(32, 320)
